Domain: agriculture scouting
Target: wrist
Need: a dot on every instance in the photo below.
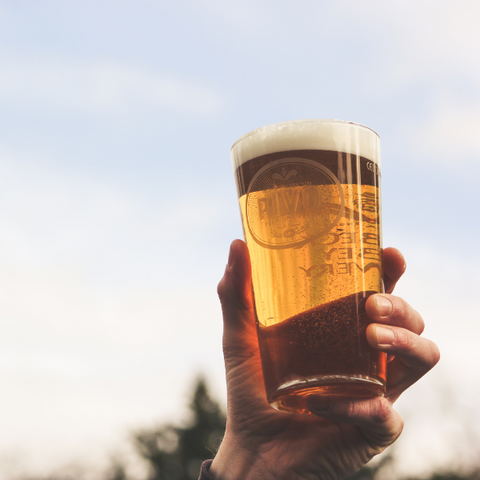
(226, 466)
(234, 463)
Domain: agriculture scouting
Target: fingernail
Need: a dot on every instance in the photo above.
(384, 305)
(318, 403)
(384, 335)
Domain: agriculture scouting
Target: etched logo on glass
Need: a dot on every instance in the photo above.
(291, 202)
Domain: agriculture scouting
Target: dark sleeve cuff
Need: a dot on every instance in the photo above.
(204, 473)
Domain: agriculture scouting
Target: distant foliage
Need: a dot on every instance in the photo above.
(176, 453)
(172, 452)
(381, 471)
(474, 475)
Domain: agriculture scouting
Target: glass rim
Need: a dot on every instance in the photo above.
(296, 122)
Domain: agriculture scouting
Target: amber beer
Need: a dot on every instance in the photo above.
(309, 194)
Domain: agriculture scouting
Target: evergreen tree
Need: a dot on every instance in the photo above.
(176, 453)
(473, 475)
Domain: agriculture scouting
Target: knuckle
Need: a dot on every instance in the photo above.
(404, 314)
(382, 412)
(404, 339)
(399, 307)
(390, 424)
(224, 293)
(351, 408)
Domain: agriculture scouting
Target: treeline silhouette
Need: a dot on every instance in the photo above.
(172, 452)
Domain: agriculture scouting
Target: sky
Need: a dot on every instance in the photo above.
(118, 205)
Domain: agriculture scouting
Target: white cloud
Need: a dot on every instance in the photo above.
(96, 86)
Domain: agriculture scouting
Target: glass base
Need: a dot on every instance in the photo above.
(292, 397)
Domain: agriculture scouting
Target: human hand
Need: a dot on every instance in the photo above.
(344, 433)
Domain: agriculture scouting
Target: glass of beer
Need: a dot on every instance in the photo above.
(309, 194)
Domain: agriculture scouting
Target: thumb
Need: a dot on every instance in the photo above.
(240, 344)
(234, 288)
(235, 292)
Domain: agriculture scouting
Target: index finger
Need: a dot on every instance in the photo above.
(393, 267)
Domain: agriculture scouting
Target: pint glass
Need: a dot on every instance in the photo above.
(309, 194)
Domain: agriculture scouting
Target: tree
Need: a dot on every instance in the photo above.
(173, 452)
(176, 453)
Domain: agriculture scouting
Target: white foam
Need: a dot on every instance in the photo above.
(316, 134)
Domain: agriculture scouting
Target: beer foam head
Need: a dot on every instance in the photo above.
(334, 135)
